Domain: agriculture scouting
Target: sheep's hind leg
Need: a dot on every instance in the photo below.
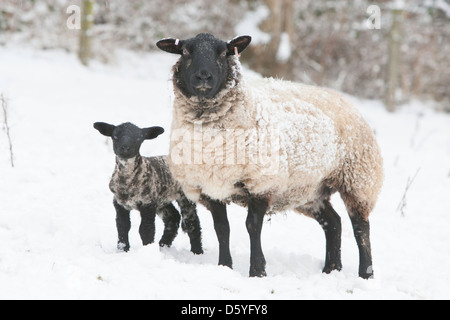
(257, 209)
(359, 211)
(361, 230)
(171, 218)
(191, 224)
(123, 225)
(218, 210)
(331, 225)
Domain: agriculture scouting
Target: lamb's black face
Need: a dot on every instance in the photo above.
(127, 138)
(203, 68)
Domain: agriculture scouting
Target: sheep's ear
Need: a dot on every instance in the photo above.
(171, 45)
(239, 43)
(152, 133)
(105, 128)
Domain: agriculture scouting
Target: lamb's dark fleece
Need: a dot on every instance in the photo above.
(146, 184)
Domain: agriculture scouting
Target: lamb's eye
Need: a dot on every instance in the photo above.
(115, 137)
(185, 52)
(224, 54)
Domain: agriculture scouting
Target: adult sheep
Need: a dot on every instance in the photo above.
(317, 144)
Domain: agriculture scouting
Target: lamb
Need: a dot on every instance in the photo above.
(145, 184)
(269, 145)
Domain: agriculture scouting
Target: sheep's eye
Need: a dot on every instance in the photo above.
(115, 137)
(224, 54)
(185, 52)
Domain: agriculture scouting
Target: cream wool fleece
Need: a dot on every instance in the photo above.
(290, 143)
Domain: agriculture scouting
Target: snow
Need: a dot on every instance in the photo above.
(57, 222)
(438, 4)
(250, 25)
(284, 49)
(292, 148)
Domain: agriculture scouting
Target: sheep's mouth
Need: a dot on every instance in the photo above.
(203, 91)
(203, 88)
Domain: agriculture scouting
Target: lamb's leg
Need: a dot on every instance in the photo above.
(171, 218)
(147, 227)
(361, 229)
(191, 224)
(123, 225)
(257, 208)
(221, 225)
(331, 224)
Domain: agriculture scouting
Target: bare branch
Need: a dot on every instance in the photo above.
(402, 205)
(5, 122)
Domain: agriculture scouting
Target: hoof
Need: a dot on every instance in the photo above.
(123, 247)
(226, 263)
(332, 267)
(197, 252)
(367, 274)
(257, 273)
(197, 248)
(164, 245)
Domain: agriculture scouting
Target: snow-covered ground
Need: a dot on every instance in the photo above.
(57, 222)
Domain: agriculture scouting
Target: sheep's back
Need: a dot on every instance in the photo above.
(323, 140)
(302, 134)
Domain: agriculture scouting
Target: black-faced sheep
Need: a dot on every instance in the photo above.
(145, 184)
(270, 145)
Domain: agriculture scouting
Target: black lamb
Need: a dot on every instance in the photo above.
(146, 184)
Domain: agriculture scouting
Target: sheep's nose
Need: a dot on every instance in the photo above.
(203, 75)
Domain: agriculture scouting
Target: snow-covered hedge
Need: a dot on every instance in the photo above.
(332, 45)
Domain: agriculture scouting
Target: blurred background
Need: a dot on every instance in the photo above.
(376, 49)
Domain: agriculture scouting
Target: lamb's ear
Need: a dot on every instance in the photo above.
(240, 43)
(152, 133)
(105, 128)
(171, 45)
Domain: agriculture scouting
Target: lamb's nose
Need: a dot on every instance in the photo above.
(124, 148)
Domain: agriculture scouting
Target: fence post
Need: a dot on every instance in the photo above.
(87, 22)
(394, 59)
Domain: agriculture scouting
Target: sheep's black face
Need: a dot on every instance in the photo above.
(203, 68)
(127, 138)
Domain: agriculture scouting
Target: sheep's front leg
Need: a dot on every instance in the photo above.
(123, 225)
(257, 208)
(147, 227)
(222, 227)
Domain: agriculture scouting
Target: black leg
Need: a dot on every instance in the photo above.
(191, 224)
(171, 218)
(123, 225)
(361, 229)
(257, 208)
(331, 224)
(221, 225)
(147, 227)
